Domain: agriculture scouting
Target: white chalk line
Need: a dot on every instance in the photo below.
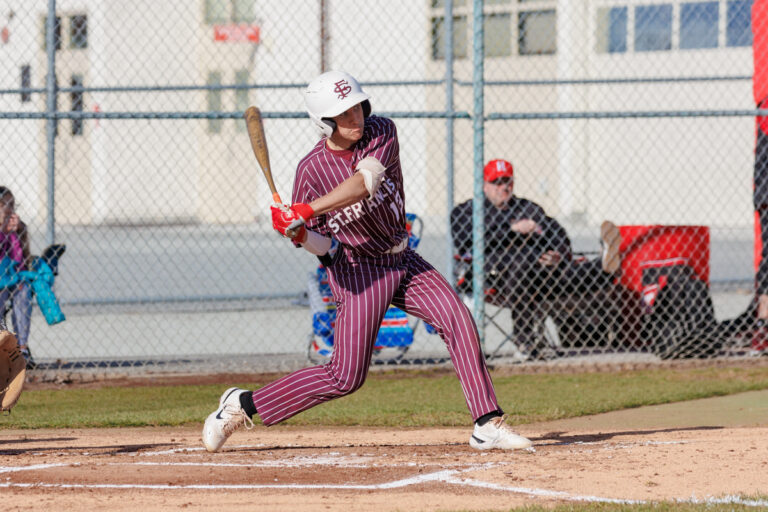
(14, 469)
(446, 476)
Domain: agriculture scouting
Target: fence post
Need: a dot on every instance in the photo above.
(50, 124)
(478, 222)
(449, 136)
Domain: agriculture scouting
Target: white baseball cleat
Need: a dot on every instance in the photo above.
(497, 434)
(220, 424)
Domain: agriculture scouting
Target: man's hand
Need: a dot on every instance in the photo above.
(550, 258)
(289, 220)
(526, 226)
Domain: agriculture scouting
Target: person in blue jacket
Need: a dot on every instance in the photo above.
(15, 257)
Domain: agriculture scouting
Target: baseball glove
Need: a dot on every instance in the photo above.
(12, 371)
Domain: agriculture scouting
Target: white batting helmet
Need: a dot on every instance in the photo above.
(331, 94)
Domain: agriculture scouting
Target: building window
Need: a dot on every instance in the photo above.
(56, 33)
(653, 28)
(26, 83)
(216, 11)
(229, 11)
(77, 104)
(612, 30)
(242, 11)
(698, 25)
(459, 37)
(536, 32)
(533, 19)
(214, 101)
(242, 96)
(498, 37)
(78, 32)
(738, 28)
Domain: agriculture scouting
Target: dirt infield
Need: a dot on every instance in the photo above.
(644, 454)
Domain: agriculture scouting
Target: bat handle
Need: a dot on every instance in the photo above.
(293, 229)
(276, 198)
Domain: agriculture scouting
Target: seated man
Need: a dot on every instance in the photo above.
(528, 255)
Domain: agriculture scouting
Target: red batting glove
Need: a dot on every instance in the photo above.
(303, 211)
(289, 220)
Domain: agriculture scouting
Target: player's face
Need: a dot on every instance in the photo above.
(499, 191)
(349, 127)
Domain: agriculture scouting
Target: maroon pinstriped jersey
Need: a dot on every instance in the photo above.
(371, 226)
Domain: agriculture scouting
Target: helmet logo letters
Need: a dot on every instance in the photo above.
(342, 89)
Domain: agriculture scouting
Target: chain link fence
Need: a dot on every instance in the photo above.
(134, 155)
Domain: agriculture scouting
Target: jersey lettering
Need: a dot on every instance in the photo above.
(387, 193)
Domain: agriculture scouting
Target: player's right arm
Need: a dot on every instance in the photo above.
(359, 186)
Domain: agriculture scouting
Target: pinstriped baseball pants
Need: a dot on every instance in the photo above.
(363, 289)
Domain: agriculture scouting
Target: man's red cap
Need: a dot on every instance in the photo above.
(496, 169)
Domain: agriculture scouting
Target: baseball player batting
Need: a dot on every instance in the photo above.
(350, 187)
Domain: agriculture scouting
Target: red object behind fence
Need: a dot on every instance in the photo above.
(658, 245)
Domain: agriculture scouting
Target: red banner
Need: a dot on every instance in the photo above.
(236, 33)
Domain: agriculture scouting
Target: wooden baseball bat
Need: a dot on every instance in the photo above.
(259, 144)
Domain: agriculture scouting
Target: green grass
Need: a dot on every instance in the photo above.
(399, 398)
(646, 507)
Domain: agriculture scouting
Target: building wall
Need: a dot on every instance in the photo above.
(20, 151)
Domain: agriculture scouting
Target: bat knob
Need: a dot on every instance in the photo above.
(293, 229)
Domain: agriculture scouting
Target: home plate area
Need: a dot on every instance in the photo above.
(431, 469)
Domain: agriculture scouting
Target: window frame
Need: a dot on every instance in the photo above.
(57, 33)
(80, 35)
(77, 104)
(728, 19)
(511, 8)
(731, 15)
(638, 34)
(231, 12)
(682, 44)
(25, 78)
(522, 17)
